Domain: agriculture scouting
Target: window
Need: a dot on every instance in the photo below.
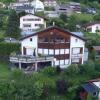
(76, 40)
(75, 50)
(38, 25)
(30, 39)
(26, 25)
(37, 19)
(76, 60)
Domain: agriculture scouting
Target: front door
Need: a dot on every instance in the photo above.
(24, 51)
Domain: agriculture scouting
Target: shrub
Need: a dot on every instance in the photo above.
(72, 69)
(50, 71)
(89, 67)
(97, 65)
(62, 86)
(58, 69)
(6, 49)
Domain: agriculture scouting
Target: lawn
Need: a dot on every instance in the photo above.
(87, 17)
(4, 71)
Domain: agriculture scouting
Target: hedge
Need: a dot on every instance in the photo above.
(6, 49)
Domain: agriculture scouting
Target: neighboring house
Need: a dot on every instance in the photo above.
(89, 10)
(10, 40)
(31, 22)
(96, 51)
(50, 3)
(75, 7)
(22, 0)
(51, 14)
(22, 6)
(93, 27)
(38, 5)
(65, 47)
(92, 87)
(63, 9)
(2, 5)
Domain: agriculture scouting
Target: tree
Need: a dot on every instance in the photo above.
(13, 25)
(72, 22)
(97, 17)
(63, 17)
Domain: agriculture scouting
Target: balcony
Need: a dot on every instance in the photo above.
(54, 45)
(29, 59)
(76, 55)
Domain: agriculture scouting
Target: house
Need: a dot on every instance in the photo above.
(50, 3)
(89, 10)
(64, 47)
(93, 27)
(51, 14)
(38, 5)
(92, 87)
(75, 7)
(2, 5)
(63, 9)
(22, 6)
(22, 0)
(31, 22)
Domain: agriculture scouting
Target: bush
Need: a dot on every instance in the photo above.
(89, 67)
(97, 65)
(72, 69)
(62, 86)
(58, 69)
(6, 49)
(50, 71)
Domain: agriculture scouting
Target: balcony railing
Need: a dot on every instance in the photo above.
(76, 55)
(29, 59)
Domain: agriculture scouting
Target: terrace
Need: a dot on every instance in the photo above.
(30, 60)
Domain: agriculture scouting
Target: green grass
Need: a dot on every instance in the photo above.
(4, 71)
(87, 17)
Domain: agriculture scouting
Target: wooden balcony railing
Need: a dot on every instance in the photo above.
(29, 59)
(54, 45)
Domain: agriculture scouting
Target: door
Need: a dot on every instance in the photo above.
(24, 51)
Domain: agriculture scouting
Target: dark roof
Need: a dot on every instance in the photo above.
(90, 88)
(54, 27)
(36, 15)
(24, 7)
(90, 24)
(97, 48)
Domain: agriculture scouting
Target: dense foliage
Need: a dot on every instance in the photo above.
(13, 25)
(45, 86)
(6, 49)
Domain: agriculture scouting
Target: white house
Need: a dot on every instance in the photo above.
(92, 27)
(38, 5)
(22, 6)
(31, 22)
(66, 47)
(50, 3)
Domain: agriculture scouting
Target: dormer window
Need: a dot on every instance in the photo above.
(30, 39)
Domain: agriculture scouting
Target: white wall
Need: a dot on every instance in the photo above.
(76, 42)
(94, 28)
(29, 45)
(25, 20)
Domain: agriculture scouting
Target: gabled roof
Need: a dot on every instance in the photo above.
(97, 48)
(35, 15)
(54, 27)
(90, 24)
